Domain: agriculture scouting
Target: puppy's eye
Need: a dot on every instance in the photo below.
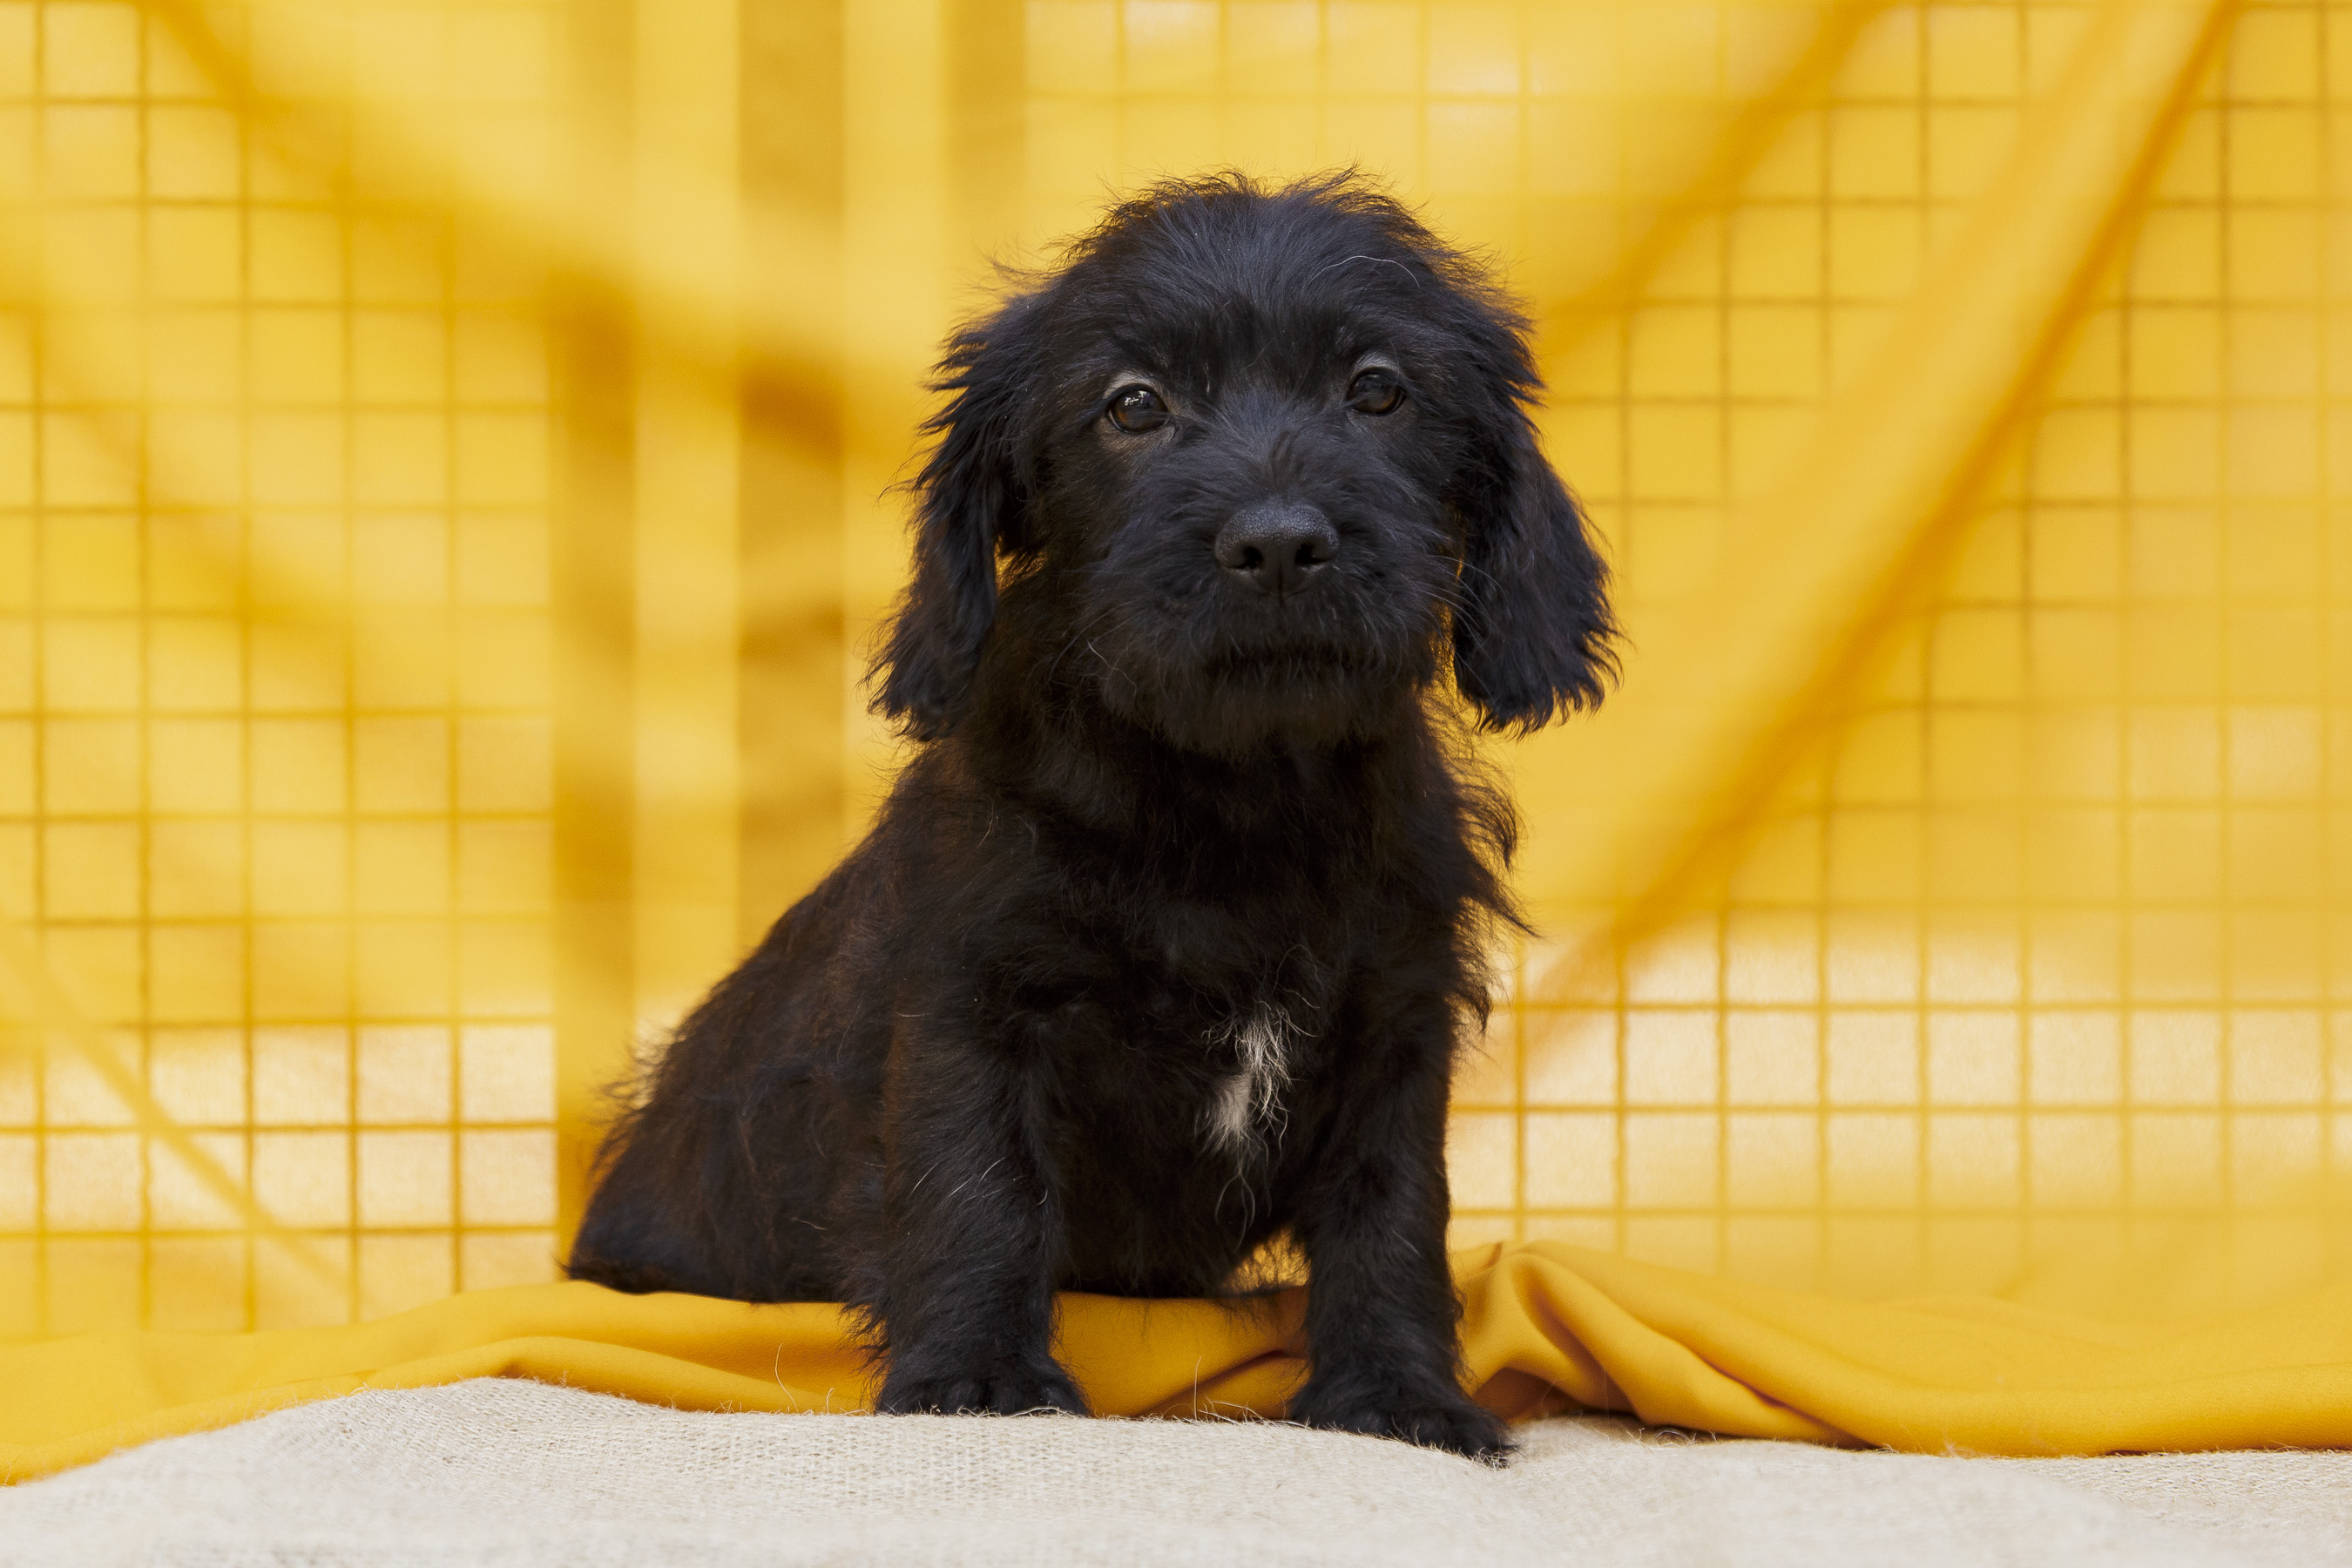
(1136, 409)
(1375, 391)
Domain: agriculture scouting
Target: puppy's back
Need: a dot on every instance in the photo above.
(719, 1179)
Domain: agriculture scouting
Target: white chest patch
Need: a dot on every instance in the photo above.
(1248, 1101)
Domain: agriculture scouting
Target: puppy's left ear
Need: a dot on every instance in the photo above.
(972, 498)
(1532, 630)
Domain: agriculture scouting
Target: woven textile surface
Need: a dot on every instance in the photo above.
(517, 1474)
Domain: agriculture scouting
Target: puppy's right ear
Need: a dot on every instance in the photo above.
(971, 499)
(1532, 631)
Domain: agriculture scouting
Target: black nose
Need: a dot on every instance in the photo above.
(1277, 546)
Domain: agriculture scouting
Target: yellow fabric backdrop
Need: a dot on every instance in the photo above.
(443, 456)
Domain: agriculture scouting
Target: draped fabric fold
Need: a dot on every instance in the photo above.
(1739, 685)
(1547, 1328)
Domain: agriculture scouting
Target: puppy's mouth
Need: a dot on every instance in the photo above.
(1308, 661)
(1312, 691)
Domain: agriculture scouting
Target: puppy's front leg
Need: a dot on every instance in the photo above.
(965, 1300)
(1381, 1312)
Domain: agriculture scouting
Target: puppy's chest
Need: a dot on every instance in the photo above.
(1241, 1032)
(1212, 1018)
(1227, 1077)
(1254, 1056)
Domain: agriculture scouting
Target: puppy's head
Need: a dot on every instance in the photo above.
(1272, 448)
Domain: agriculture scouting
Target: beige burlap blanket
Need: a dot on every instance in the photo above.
(518, 1475)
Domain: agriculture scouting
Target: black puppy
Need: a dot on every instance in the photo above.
(1168, 934)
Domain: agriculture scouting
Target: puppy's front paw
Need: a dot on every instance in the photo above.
(992, 1388)
(1455, 1425)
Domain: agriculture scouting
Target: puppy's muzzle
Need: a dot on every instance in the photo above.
(1277, 547)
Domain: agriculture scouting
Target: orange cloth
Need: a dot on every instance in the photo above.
(1547, 1327)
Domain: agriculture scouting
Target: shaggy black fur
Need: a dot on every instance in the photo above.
(1166, 938)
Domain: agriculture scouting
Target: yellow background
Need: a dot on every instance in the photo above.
(444, 465)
